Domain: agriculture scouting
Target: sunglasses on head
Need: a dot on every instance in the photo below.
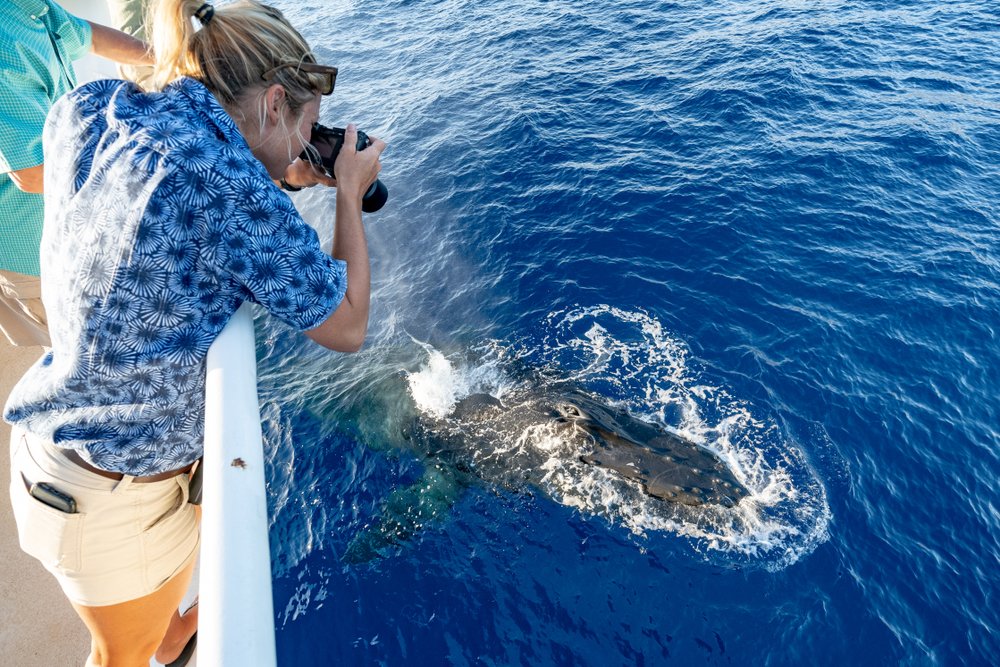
(329, 74)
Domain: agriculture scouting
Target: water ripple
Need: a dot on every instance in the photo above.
(803, 193)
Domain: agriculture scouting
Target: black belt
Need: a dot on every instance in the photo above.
(75, 457)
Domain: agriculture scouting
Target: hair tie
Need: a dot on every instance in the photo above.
(204, 13)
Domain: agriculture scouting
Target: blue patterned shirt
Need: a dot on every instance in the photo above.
(159, 223)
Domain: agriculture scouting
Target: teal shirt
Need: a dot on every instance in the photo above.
(38, 42)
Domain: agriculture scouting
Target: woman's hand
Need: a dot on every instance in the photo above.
(302, 174)
(356, 170)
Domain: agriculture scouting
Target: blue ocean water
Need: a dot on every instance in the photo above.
(768, 225)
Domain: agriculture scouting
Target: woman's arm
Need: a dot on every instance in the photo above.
(118, 46)
(345, 329)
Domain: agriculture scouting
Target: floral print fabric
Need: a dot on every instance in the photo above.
(159, 223)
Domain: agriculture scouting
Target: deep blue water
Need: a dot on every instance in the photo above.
(771, 226)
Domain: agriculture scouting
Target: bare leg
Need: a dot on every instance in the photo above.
(127, 634)
(181, 629)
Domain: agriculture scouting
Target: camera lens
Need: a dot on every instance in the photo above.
(375, 198)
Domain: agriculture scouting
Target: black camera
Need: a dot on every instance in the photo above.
(325, 145)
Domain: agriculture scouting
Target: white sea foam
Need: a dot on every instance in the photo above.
(437, 386)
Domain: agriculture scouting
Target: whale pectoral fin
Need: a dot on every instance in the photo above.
(405, 512)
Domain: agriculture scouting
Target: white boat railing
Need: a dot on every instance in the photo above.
(236, 611)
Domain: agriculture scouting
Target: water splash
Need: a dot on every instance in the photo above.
(437, 387)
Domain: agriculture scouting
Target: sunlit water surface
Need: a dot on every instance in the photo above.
(770, 227)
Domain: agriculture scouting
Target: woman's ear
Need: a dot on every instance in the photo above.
(274, 100)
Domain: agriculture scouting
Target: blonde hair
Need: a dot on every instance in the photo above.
(230, 51)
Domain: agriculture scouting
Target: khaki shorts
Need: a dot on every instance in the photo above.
(22, 316)
(126, 540)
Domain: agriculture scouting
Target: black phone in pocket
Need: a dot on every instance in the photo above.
(53, 497)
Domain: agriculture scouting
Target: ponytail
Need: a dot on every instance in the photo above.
(230, 49)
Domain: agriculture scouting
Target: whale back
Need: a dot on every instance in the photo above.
(665, 465)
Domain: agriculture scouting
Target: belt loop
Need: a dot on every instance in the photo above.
(123, 485)
(183, 481)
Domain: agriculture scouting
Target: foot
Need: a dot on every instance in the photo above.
(182, 627)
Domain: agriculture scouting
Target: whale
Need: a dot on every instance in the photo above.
(510, 442)
(665, 465)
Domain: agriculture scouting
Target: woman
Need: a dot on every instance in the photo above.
(162, 217)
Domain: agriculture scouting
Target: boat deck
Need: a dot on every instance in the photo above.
(40, 627)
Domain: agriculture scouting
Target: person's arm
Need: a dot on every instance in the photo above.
(107, 43)
(355, 171)
(28, 180)
(118, 46)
